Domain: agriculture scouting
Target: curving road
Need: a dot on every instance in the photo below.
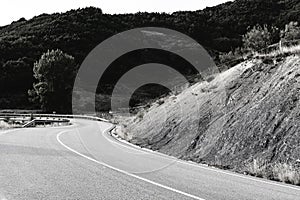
(83, 162)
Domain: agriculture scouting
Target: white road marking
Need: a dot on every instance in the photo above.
(142, 151)
(209, 168)
(137, 148)
(193, 164)
(106, 136)
(124, 172)
(128, 145)
(160, 154)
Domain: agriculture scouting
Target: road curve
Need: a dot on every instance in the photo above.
(83, 162)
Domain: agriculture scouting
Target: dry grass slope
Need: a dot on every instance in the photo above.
(284, 172)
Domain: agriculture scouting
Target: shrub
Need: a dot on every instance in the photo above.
(4, 125)
(140, 115)
(258, 168)
(286, 173)
(291, 32)
(259, 38)
(160, 101)
(283, 172)
(227, 57)
(230, 59)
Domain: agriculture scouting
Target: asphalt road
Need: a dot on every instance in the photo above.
(83, 162)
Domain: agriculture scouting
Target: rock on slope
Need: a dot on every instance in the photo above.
(250, 111)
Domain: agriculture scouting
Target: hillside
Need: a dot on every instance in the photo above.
(77, 32)
(249, 112)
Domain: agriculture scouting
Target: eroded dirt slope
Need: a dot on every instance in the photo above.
(250, 111)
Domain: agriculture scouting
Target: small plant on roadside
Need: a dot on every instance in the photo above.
(160, 102)
(258, 168)
(286, 173)
(4, 125)
(140, 115)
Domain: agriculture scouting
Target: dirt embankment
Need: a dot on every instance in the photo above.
(250, 111)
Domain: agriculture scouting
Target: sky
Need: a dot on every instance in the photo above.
(13, 10)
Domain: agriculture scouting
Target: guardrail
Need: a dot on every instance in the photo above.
(35, 122)
(10, 115)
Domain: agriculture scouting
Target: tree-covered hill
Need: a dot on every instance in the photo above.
(77, 32)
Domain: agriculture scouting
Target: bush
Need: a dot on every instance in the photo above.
(160, 102)
(286, 173)
(258, 168)
(4, 125)
(259, 38)
(227, 57)
(291, 32)
(230, 59)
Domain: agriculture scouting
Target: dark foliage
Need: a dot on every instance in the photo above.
(77, 32)
(55, 74)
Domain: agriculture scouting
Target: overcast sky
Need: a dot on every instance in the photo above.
(12, 10)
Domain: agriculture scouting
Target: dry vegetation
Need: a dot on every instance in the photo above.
(284, 172)
(258, 168)
(4, 125)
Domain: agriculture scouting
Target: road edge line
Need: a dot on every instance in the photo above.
(124, 172)
(202, 166)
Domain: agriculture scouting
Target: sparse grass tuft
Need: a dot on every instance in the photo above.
(160, 101)
(140, 115)
(283, 172)
(4, 125)
(286, 173)
(7, 125)
(258, 168)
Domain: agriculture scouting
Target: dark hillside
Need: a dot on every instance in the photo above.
(77, 32)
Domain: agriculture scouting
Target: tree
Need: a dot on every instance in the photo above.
(291, 32)
(258, 38)
(55, 73)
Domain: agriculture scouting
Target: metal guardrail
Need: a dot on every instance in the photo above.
(35, 122)
(10, 115)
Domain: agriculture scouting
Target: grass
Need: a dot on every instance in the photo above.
(258, 168)
(286, 173)
(4, 125)
(283, 172)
